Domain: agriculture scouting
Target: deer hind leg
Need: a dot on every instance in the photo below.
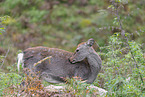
(49, 77)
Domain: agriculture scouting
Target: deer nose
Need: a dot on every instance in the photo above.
(72, 60)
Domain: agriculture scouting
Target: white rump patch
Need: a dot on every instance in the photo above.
(20, 60)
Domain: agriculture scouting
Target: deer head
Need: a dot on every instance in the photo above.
(83, 50)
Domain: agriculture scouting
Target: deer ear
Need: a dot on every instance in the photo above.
(90, 42)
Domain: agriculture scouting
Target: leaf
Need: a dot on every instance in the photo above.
(1, 28)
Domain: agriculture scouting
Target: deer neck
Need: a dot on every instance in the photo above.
(95, 65)
(94, 60)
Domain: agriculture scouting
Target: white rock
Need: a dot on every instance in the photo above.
(102, 92)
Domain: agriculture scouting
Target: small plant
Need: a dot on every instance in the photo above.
(2, 19)
(77, 87)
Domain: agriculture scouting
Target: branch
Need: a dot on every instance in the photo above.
(35, 64)
(5, 57)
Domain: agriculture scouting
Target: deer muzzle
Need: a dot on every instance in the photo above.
(72, 60)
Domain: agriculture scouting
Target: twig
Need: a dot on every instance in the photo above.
(5, 57)
(43, 60)
(98, 46)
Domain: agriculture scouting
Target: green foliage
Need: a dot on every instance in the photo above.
(123, 73)
(2, 19)
(7, 80)
(63, 25)
(17, 5)
(11, 4)
(120, 73)
(7, 20)
(1, 30)
(36, 15)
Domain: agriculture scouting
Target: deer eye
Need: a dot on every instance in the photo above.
(77, 50)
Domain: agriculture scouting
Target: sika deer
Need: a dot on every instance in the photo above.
(84, 63)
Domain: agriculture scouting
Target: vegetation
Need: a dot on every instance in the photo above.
(117, 26)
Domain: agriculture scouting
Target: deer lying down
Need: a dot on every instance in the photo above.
(84, 63)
